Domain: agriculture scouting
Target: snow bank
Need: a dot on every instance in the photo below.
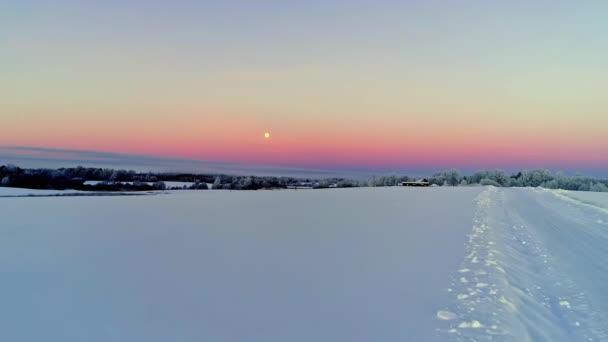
(594, 199)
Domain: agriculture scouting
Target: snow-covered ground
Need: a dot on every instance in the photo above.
(19, 192)
(369, 264)
(594, 199)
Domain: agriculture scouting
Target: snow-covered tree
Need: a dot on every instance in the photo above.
(246, 183)
(159, 185)
(500, 177)
(451, 177)
(535, 177)
(488, 181)
(598, 187)
(217, 183)
(114, 176)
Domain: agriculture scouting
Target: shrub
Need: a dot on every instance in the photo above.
(488, 181)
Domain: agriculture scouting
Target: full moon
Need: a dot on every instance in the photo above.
(266, 135)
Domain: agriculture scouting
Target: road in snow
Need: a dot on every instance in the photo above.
(374, 264)
(536, 269)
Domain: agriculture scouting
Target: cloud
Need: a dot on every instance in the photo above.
(41, 157)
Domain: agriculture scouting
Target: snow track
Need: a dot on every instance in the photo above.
(535, 270)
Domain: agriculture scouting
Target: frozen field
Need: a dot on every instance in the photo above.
(18, 192)
(370, 264)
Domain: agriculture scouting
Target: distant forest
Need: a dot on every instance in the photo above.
(500, 178)
(124, 180)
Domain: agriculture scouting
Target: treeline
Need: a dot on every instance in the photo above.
(128, 180)
(534, 178)
(74, 178)
(500, 178)
(230, 182)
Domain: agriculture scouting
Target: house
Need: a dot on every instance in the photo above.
(420, 182)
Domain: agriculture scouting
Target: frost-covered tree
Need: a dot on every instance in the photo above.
(535, 177)
(321, 184)
(159, 185)
(500, 177)
(488, 181)
(114, 176)
(464, 182)
(437, 179)
(453, 177)
(386, 180)
(217, 183)
(513, 181)
(598, 187)
(552, 184)
(6, 181)
(478, 176)
(448, 177)
(345, 183)
(199, 186)
(246, 183)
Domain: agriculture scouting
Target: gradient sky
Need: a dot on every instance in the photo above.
(377, 84)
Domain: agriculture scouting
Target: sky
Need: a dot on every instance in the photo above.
(392, 85)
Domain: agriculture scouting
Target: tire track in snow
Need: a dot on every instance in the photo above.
(509, 286)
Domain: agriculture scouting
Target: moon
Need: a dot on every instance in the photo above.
(266, 135)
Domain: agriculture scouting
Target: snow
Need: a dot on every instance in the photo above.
(593, 199)
(6, 192)
(321, 265)
(18, 192)
(368, 264)
(538, 259)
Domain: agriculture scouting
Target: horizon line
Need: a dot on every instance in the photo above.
(63, 156)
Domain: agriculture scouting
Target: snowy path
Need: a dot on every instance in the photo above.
(535, 270)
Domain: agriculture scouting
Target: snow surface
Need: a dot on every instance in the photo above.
(364, 264)
(368, 264)
(594, 199)
(535, 270)
(22, 192)
(19, 192)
